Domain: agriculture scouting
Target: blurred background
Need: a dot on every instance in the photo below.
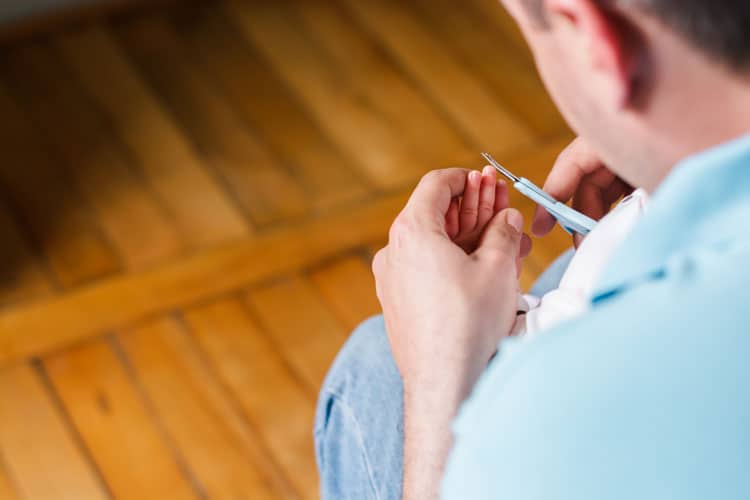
(190, 196)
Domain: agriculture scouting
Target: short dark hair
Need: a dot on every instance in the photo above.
(721, 28)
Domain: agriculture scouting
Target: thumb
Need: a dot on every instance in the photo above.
(502, 237)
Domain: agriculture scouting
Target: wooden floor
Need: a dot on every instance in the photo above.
(189, 199)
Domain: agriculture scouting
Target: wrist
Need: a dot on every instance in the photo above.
(428, 440)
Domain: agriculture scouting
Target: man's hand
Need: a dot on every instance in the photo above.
(579, 174)
(446, 307)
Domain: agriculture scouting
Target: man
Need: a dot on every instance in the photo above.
(645, 396)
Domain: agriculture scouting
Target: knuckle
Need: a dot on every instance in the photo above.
(401, 227)
(472, 211)
(377, 263)
(570, 152)
(564, 156)
(397, 225)
(430, 176)
(396, 228)
(501, 256)
(486, 207)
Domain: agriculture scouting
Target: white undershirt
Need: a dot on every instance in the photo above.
(573, 295)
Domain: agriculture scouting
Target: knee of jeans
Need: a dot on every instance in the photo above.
(363, 369)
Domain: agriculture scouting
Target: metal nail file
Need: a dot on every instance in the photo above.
(571, 220)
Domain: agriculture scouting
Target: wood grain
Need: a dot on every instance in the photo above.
(23, 278)
(38, 448)
(338, 105)
(264, 100)
(261, 185)
(468, 99)
(348, 287)
(208, 434)
(495, 13)
(49, 205)
(188, 203)
(351, 71)
(416, 118)
(201, 211)
(129, 214)
(277, 404)
(307, 333)
(53, 324)
(125, 441)
(7, 489)
(491, 54)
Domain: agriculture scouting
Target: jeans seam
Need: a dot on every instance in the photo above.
(360, 438)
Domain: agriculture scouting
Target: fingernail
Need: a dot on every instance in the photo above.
(488, 171)
(474, 176)
(515, 219)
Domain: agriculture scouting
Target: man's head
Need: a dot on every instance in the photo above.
(647, 82)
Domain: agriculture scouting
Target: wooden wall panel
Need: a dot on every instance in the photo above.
(259, 182)
(129, 214)
(467, 98)
(201, 210)
(48, 203)
(256, 91)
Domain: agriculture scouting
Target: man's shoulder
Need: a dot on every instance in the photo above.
(700, 294)
(628, 400)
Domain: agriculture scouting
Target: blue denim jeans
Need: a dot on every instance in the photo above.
(359, 421)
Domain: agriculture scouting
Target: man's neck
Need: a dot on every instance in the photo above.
(695, 105)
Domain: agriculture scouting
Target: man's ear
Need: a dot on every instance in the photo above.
(608, 45)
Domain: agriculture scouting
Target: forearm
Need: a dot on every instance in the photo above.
(427, 442)
(429, 410)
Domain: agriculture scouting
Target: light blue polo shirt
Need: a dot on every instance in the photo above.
(648, 395)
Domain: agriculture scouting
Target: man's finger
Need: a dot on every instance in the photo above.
(543, 222)
(526, 246)
(378, 265)
(566, 175)
(432, 197)
(618, 189)
(451, 219)
(575, 162)
(502, 238)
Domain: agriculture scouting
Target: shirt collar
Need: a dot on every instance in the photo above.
(685, 213)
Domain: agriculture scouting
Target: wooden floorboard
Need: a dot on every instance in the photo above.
(41, 453)
(201, 209)
(52, 210)
(306, 332)
(191, 195)
(492, 55)
(49, 325)
(8, 490)
(24, 277)
(464, 95)
(207, 432)
(375, 76)
(348, 287)
(128, 445)
(277, 403)
(129, 214)
(270, 107)
(263, 188)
